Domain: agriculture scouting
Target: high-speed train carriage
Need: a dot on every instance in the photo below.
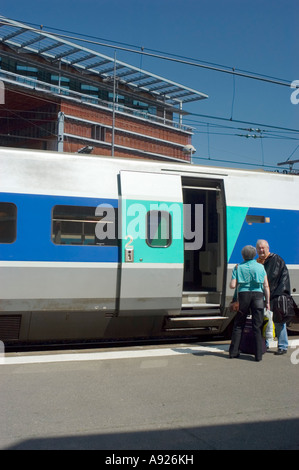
(111, 248)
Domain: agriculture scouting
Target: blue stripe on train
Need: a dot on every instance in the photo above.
(282, 234)
(34, 219)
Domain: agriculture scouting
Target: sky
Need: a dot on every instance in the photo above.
(260, 37)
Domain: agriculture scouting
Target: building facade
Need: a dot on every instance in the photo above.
(59, 95)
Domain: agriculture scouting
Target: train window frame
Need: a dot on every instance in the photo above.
(152, 216)
(73, 223)
(8, 213)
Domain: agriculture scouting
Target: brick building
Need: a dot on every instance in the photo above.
(59, 95)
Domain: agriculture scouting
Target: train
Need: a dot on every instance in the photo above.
(99, 248)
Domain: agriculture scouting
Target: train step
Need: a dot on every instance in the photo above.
(193, 312)
(200, 306)
(199, 298)
(191, 323)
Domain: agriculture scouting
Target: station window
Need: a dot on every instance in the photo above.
(158, 229)
(98, 132)
(8, 222)
(62, 80)
(80, 225)
(27, 70)
(90, 90)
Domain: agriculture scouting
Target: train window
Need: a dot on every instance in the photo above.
(8, 222)
(257, 219)
(158, 229)
(80, 225)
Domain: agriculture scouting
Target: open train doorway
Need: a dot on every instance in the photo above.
(204, 252)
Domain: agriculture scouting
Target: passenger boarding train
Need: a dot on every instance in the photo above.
(98, 248)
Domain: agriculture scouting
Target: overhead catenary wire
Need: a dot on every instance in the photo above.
(244, 122)
(141, 50)
(177, 58)
(209, 159)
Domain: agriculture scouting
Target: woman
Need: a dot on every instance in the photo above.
(251, 281)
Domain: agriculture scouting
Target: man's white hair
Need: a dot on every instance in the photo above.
(262, 241)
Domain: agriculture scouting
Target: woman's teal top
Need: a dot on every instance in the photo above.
(250, 276)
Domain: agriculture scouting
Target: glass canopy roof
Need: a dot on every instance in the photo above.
(54, 48)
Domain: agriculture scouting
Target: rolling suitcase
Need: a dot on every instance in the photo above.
(247, 345)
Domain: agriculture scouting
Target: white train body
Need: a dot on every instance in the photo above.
(108, 248)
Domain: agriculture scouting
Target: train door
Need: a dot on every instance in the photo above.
(152, 245)
(205, 256)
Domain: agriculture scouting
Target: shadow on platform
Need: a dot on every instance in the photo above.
(264, 435)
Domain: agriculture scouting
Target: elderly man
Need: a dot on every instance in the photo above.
(279, 283)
